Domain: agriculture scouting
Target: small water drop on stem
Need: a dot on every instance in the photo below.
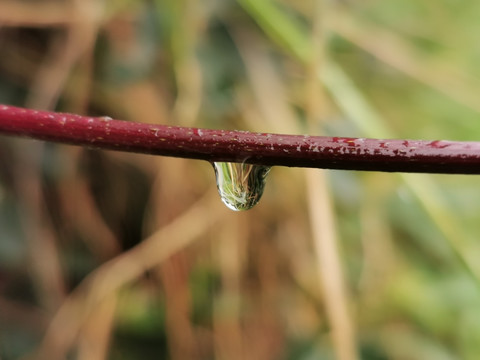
(240, 185)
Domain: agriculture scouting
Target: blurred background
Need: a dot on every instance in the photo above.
(109, 255)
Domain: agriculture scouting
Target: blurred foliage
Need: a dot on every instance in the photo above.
(236, 285)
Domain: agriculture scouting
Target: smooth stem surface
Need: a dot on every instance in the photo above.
(438, 156)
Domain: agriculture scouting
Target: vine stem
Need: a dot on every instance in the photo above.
(439, 156)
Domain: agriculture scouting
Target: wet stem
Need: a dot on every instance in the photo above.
(244, 147)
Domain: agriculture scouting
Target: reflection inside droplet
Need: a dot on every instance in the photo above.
(240, 185)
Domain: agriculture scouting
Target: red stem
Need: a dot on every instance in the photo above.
(238, 146)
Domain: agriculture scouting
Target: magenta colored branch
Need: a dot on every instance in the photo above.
(238, 146)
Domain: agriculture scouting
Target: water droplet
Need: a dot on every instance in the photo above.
(240, 185)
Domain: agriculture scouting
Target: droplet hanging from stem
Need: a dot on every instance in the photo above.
(240, 185)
